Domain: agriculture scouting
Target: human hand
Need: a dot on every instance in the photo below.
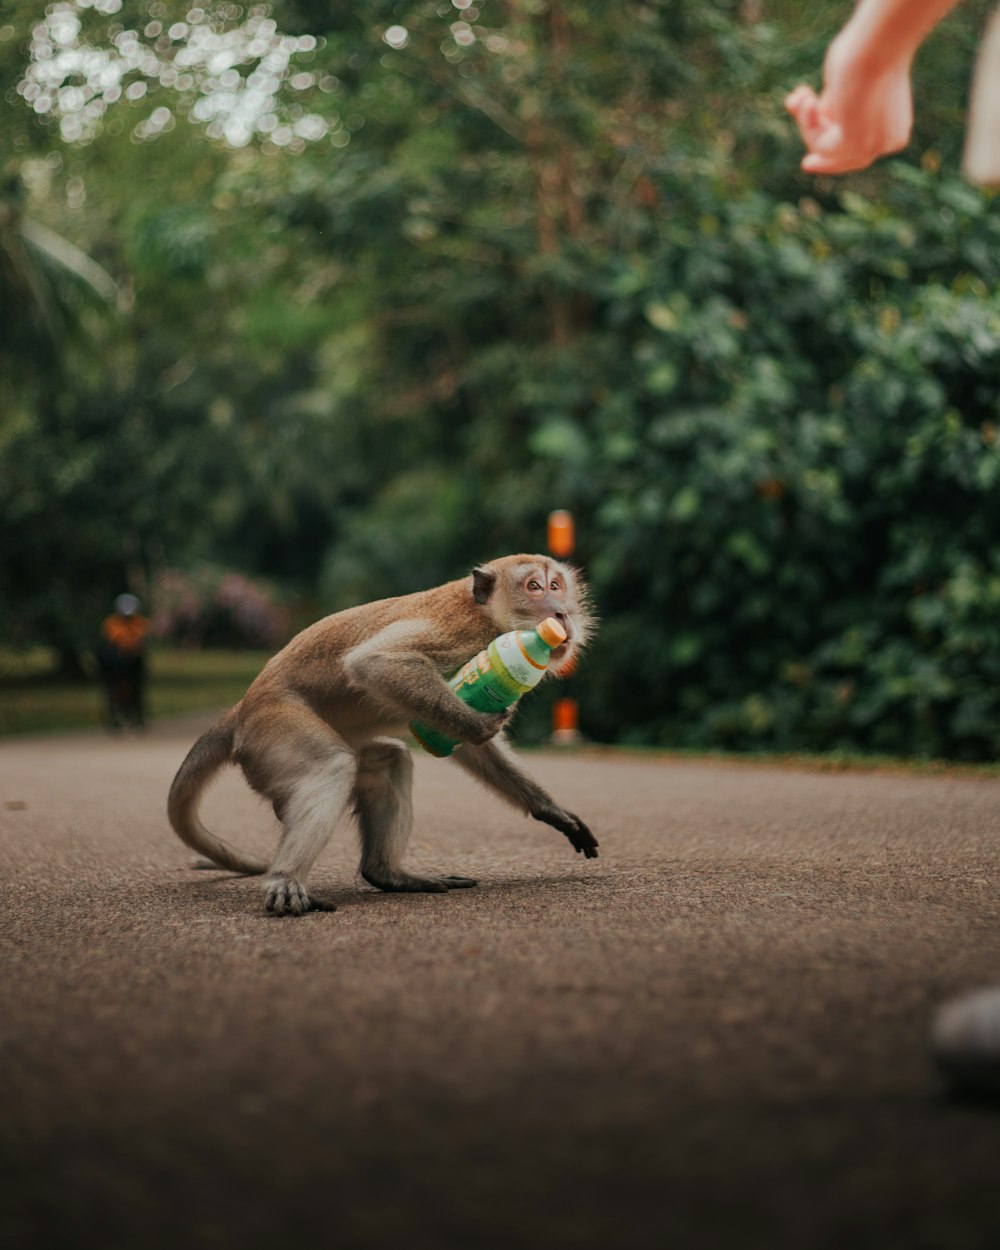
(864, 112)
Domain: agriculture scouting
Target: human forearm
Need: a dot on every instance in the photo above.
(884, 33)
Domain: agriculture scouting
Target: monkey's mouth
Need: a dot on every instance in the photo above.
(562, 656)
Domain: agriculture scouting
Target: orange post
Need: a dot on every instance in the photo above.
(565, 714)
(565, 722)
(562, 538)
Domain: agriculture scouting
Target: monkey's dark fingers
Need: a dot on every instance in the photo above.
(321, 904)
(586, 841)
(580, 837)
(401, 882)
(487, 726)
(288, 897)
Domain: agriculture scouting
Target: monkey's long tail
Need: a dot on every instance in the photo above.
(206, 757)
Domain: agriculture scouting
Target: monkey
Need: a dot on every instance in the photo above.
(323, 726)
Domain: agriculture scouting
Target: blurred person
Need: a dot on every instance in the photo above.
(121, 657)
(865, 108)
(866, 111)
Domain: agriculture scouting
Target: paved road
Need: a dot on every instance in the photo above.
(713, 1036)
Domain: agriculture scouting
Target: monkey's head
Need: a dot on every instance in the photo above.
(521, 591)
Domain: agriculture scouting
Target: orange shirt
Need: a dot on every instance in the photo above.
(126, 634)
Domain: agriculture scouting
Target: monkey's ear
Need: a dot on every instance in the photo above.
(483, 581)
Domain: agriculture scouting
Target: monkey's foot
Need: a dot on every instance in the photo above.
(403, 883)
(287, 897)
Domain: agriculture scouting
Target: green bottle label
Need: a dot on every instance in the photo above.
(492, 680)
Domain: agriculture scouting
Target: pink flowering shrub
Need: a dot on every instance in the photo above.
(211, 607)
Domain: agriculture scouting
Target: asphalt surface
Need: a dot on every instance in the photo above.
(713, 1035)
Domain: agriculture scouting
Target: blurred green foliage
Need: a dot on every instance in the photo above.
(803, 476)
(544, 254)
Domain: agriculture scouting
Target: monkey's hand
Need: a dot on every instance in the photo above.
(486, 726)
(580, 837)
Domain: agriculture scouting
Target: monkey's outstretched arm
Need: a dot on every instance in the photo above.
(495, 766)
(407, 680)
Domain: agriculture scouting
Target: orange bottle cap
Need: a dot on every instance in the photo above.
(551, 632)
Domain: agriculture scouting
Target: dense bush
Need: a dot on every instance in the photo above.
(790, 470)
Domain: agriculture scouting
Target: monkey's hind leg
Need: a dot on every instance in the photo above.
(384, 806)
(308, 773)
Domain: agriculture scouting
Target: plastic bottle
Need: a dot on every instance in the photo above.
(497, 677)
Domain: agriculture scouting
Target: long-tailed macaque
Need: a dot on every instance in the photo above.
(320, 728)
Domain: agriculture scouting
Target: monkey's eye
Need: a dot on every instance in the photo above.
(555, 586)
(534, 584)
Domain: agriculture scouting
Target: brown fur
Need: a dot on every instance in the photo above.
(320, 728)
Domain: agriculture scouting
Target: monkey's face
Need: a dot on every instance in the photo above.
(521, 591)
